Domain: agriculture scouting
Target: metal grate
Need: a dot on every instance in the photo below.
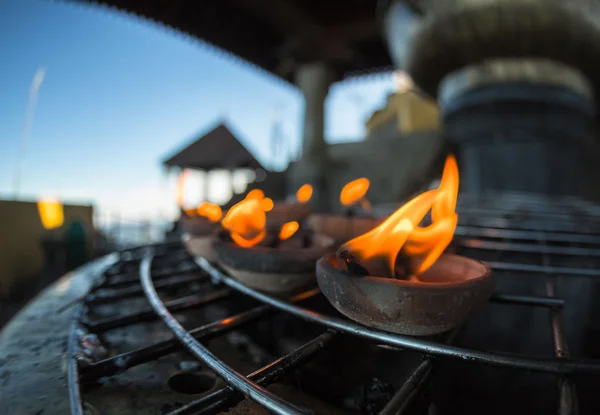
(539, 250)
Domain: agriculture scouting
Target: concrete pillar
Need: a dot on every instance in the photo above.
(314, 80)
(205, 186)
(229, 174)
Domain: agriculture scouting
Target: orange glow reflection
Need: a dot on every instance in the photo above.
(288, 229)
(400, 231)
(246, 222)
(355, 192)
(210, 211)
(304, 194)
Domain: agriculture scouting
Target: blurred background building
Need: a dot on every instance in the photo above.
(101, 112)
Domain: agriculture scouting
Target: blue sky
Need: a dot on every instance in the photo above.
(121, 93)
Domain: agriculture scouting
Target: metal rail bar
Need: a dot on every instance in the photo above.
(120, 363)
(563, 216)
(550, 365)
(501, 223)
(72, 365)
(128, 257)
(561, 211)
(155, 246)
(236, 380)
(561, 365)
(539, 269)
(529, 248)
(475, 231)
(529, 202)
(130, 261)
(412, 386)
(521, 199)
(124, 361)
(180, 304)
(526, 300)
(514, 199)
(568, 395)
(135, 278)
(118, 269)
(410, 389)
(110, 296)
(227, 397)
(568, 404)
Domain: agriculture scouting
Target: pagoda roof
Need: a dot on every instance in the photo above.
(217, 149)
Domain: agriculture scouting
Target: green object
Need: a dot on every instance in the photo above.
(75, 245)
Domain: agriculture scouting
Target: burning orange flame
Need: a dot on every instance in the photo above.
(401, 231)
(288, 229)
(255, 194)
(210, 211)
(354, 192)
(304, 194)
(246, 222)
(267, 204)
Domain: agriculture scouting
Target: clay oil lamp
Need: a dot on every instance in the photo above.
(278, 262)
(284, 212)
(200, 228)
(346, 226)
(201, 225)
(396, 277)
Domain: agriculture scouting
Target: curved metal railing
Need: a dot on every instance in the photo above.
(219, 286)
